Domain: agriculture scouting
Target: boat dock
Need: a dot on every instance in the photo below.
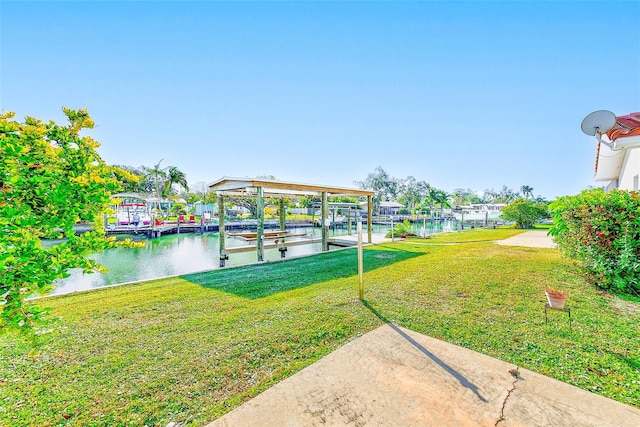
(344, 243)
(173, 227)
(271, 245)
(161, 229)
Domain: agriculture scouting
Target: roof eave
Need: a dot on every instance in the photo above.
(284, 188)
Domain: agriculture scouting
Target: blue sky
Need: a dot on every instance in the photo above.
(459, 94)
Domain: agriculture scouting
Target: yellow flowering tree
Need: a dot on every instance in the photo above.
(50, 178)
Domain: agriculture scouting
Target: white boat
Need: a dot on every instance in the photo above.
(125, 214)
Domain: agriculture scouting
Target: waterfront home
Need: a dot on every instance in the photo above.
(390, 208)
(479, 212)
(619, 165)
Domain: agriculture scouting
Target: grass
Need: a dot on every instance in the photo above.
(191, 348)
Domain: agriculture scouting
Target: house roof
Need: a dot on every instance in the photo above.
(281, 188)
(609, 162)
(129, 196)
(391, 205)
(628, 125)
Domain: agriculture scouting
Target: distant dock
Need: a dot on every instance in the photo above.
(169, 227)
(173, 227)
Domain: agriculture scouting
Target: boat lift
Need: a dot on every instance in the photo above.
(259, 188)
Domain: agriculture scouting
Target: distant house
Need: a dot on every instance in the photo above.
(479, 211)
(390, 208)
(201, 208)
(620, 166)
(237, 211)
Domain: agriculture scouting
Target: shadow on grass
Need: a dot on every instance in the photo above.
(633, 363)
(262, 280)
(461, 379)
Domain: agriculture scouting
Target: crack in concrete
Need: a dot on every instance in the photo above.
(516, 374)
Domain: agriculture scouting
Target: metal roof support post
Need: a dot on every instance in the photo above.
(260, 218)
(323, 221)
(360, 260)
(282, 215)
(369, 218)
(223, 253)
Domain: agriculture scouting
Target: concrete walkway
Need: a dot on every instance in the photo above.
(532, 239)
(395, 377)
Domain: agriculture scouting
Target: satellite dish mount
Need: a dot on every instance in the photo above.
(598, 123)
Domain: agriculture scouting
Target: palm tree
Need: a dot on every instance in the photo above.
(157, 176)
(507, 194)
(490, 195)
(174, 176)
(431, 198)
(442, 198)
(527, 191)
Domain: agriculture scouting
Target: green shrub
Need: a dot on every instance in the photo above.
(401, 229)
(601, 231)
(524, 212)
(178, 209)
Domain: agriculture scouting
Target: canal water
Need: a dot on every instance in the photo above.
(189, 253)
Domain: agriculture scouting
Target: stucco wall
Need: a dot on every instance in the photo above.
(630, 169)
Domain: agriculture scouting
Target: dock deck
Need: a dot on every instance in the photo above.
(271, 245)
(159, 230)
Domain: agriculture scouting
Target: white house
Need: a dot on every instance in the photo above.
(620, 164)
(479, 212)
(390, 208)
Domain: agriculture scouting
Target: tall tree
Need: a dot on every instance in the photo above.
(527, 191)
(507, 194)
(441, 198)
(174, 176)
(490, 195)
(409, 196)
(157, 177)
(428, 200)
(422, 188)
(201, 190)
(461, 196)
(385, 186)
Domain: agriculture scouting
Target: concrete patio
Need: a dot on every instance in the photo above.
(395, 377)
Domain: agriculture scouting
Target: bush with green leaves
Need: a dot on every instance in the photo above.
(601, 231)
(178, 209)
(50, 178)
(401, 229)
(524, 212)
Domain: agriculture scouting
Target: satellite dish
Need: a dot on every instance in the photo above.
(599, 121)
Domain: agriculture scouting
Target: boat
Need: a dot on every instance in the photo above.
(126, 211)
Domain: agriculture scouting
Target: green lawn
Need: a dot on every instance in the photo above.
(192, 348)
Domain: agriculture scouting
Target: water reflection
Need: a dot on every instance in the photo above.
(166, 256)
(181, 254)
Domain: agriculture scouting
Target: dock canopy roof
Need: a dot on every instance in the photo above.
(247, 186)
(129, 196)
